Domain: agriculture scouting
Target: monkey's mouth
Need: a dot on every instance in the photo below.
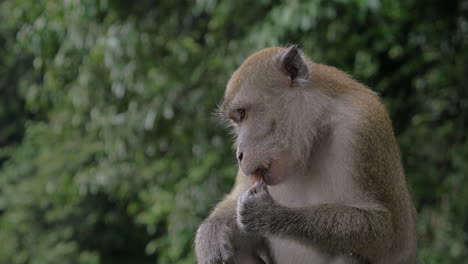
(271, 173)
(261, 173)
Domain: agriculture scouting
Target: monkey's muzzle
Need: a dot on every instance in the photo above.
(259, 173)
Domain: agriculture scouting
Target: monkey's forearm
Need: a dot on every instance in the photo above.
(337, 228)
(213, 243)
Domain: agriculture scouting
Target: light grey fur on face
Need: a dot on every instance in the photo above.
(281, 119)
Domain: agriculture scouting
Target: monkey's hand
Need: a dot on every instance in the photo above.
(213, 242)
(256, 209)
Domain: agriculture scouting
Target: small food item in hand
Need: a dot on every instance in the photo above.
(254, 178)
(258, 175)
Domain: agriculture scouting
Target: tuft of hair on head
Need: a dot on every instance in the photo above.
(294, 66)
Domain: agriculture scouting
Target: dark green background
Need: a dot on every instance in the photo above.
(108, 153)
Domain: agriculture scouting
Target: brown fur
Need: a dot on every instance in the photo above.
(344, 197)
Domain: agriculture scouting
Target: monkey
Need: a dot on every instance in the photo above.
(320, 176)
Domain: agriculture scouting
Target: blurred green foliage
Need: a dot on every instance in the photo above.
(108, 153)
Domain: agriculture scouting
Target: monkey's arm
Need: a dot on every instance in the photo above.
(214, 238)
(338, 228)
(364, 231)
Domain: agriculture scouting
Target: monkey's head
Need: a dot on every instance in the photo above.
(274, 112)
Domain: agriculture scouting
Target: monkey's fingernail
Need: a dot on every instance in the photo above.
(266, 165)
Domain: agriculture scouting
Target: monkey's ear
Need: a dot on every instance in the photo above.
(293, 65)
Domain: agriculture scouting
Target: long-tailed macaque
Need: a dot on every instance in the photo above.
(320, 177)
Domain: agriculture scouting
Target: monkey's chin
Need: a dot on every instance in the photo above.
(270, 179)
(276, 174)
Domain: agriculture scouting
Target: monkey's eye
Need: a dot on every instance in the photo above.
(241, 112)
(238, 115)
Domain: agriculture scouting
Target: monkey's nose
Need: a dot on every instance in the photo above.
(241, 155)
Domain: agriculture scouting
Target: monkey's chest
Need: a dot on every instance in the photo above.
(294, 194)
(285, 251)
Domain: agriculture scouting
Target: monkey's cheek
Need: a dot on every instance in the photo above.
(278, 170)
(277, 174)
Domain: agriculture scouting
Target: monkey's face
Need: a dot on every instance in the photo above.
(267, 116)
(261, 148)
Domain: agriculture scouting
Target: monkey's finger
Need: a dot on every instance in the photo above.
(243, 197)
(258, 186)
(264, 186)
(228, 261)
